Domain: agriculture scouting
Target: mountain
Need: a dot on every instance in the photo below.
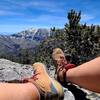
(27, 39)
(32, 34)
(7, 45)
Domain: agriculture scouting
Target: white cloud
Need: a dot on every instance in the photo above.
(43, 21)
(86, 17)
(46, 4)
(9, 7)
(49, 19)
(14, 28)
(7, 13)
(49, 6)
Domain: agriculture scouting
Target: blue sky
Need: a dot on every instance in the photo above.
(17, 15)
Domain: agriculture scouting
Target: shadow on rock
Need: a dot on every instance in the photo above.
(78, 93)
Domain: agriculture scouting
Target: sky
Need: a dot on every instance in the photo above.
(18, 15)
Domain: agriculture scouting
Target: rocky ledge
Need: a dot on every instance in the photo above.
(13, 72)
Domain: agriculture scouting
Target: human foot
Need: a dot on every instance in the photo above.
(61, 64)
(49, 88)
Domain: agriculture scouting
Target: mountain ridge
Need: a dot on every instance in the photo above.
(31, 33)
(27, 39)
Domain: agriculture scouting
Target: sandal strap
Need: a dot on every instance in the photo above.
(64, 69)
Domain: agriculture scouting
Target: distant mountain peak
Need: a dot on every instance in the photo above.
(32, 34)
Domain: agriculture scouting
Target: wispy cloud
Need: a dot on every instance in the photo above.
(9, 13)
(9, 8)
(49, 6)
(43, 21)
(13, 28)
(44, 13)
(49, 19)
(87, 17)
(46, 5)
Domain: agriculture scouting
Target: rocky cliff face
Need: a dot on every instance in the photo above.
(13, 72)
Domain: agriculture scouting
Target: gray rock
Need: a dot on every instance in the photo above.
(10, 71)
(68, 95)
(14, 72)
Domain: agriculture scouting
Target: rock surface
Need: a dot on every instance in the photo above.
(12, 72)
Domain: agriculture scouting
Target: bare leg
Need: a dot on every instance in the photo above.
(11, 91)
(86, 75)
